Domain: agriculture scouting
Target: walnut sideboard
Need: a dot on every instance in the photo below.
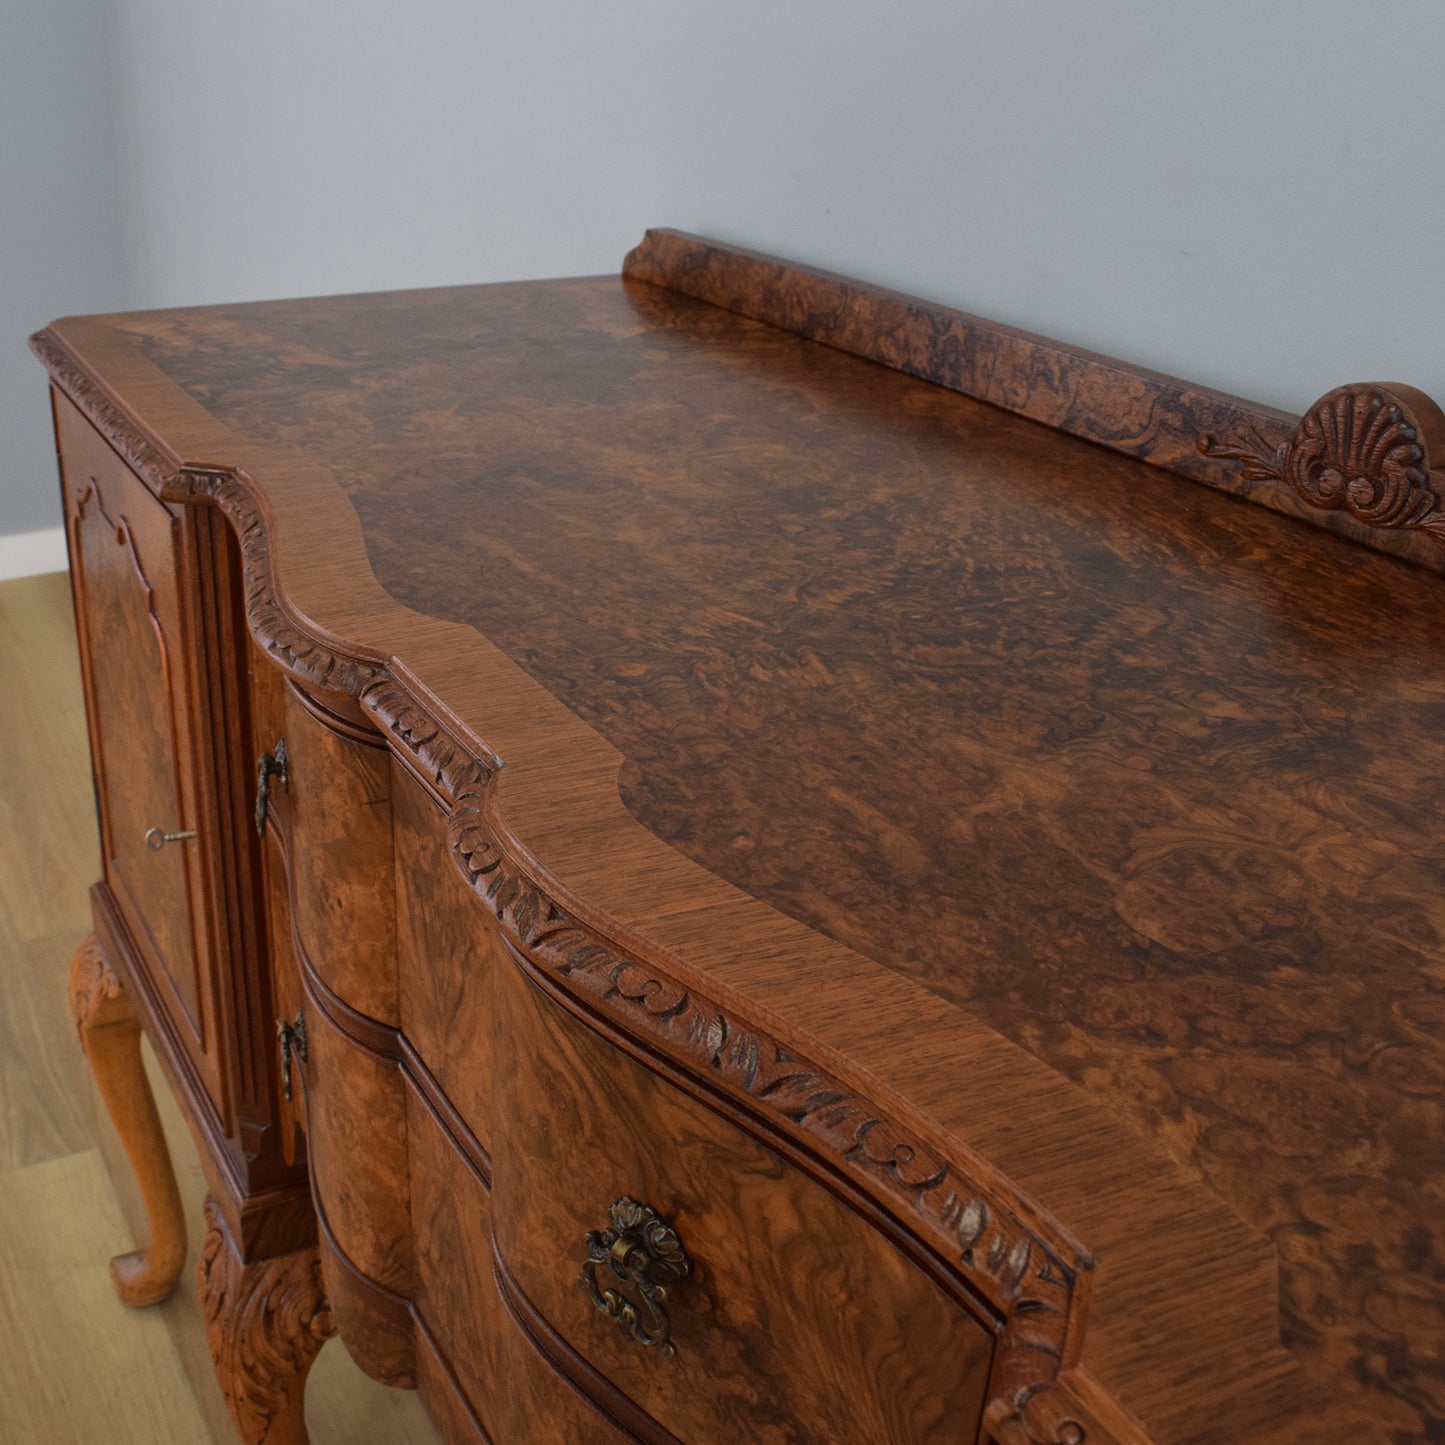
(723, 854)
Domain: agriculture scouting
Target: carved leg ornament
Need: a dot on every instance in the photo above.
(110, 1035)
(266, 1323)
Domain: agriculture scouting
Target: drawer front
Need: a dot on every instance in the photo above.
(355, 1100)
(337, 810)
(798, 1321)
(514, 1394)
(447, 954)
(134, 613)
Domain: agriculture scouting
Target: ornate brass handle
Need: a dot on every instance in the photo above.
(157, 838)
(642, 1251)
(291, 1041)
(268, 766)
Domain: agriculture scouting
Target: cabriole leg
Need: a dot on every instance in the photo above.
(110, 1035)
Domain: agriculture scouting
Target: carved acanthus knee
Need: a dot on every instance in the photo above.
(97, 997)
(266, 1323)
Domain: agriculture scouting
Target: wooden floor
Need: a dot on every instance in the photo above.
(75, 1364)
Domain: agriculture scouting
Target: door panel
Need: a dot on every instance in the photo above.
(125, 550)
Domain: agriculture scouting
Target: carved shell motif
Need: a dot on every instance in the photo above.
(1361, 449)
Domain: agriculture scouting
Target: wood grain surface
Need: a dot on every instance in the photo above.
(110, 1033)
(170, 746)
(131, 593)
(339, 856)
(356, 1140)
(797, 1321)
(1129, 768)
(455, 1289)
(1142, 778)
(1189, 430)
(75, 1363)
(446, 1010)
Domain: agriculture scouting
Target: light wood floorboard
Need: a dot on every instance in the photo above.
(75, 1364)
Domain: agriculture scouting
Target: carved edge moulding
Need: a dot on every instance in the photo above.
(983, 1234)
(110, 419)
(1350, 461)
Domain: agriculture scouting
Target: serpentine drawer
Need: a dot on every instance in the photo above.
(932, 861)
(796, 1321)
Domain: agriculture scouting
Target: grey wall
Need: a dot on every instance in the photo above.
(1245, 194)
(60, 231)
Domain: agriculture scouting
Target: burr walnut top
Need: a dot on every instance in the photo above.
(1148, 778)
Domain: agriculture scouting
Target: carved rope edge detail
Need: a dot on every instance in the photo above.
(293, 649)
(975, 1227)
(1360, 449)
(104, 414)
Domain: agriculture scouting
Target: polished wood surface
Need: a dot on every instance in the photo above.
(489, 1342)
(76, 1365)
(1159, 755)
(797, 1322)
(344, 905)
(131, 591)
(265, 1322)
(110, 1033)
(448, 1011)
(177, 909)
(1384, 432)
(1032, 846)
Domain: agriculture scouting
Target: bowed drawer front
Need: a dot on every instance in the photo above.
(645, 680)
(795, 1320)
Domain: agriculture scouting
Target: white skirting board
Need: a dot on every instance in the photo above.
(30, 553)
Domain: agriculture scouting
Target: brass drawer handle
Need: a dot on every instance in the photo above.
(643, 1251)
(291, 1042)
(157, 838)
(268, 766)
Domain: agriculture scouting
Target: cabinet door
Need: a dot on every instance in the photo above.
(132, 615)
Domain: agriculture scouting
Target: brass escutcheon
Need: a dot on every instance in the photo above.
(268, 766)
(642, 1251)
(291, 1043)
